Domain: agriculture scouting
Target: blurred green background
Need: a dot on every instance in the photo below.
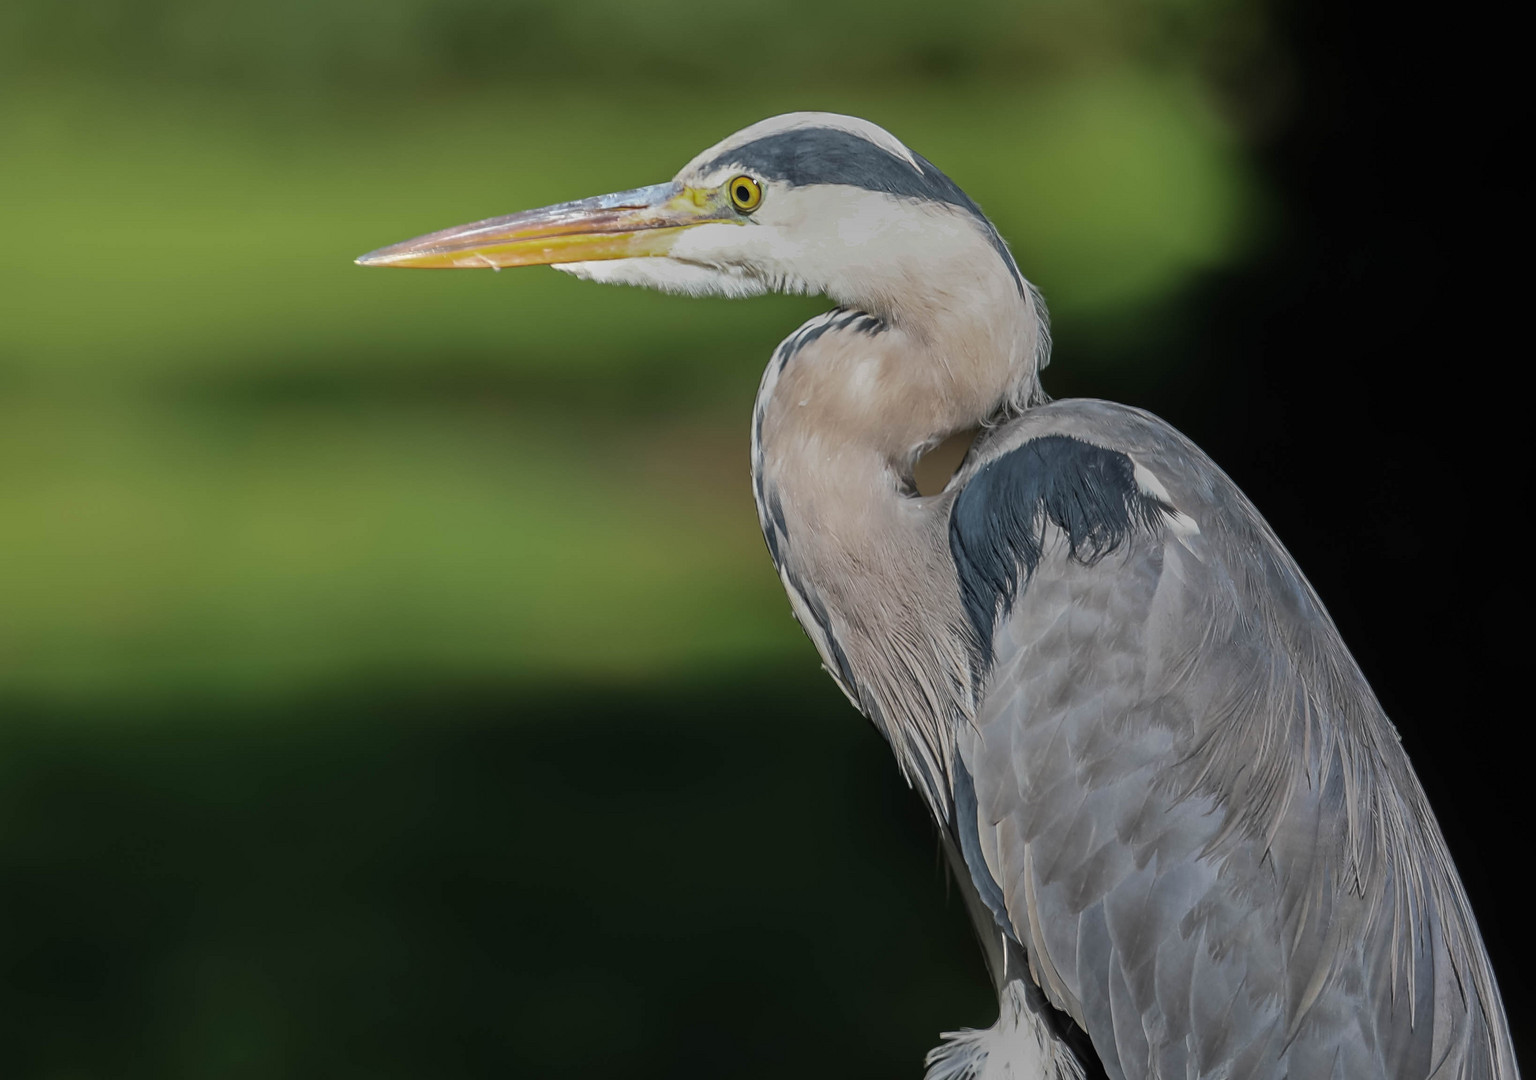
(237, 461)
(393, 679)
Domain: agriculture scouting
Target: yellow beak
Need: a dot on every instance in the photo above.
(624, 225)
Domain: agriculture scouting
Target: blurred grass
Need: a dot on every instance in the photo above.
(151, 547)
(230, 457)
(320, 48)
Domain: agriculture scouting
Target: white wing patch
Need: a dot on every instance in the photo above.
(1180, 523)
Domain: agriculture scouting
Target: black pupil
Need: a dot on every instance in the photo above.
(743, 193)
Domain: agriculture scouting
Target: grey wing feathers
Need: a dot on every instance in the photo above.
(1203, 828)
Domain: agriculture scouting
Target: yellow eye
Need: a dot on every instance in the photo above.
(746, 194)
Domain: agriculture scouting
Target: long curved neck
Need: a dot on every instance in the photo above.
(846, 406)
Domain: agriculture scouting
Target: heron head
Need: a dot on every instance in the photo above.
(802, 203)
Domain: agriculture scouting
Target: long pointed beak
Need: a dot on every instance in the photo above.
(624, 225)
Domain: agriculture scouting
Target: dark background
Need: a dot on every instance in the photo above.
(699, 861)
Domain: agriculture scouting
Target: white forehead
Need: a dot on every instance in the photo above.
(777, 125)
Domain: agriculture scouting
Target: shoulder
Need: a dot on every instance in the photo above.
(1109, 469)
(1059, 471)
(1085, 429)
(1075, 481)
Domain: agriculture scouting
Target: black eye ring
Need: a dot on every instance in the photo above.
(746, 194)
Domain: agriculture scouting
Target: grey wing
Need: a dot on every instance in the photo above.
(1201, 826)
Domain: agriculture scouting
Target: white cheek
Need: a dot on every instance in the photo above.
(713, 243)
(862, 227)
(763, 254)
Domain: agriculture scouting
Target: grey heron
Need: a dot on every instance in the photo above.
(1185, 829)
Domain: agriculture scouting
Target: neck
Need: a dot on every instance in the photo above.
(846, 406)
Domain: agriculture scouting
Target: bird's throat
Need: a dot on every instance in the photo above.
(842, 409)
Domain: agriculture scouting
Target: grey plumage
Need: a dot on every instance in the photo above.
(1186, 832)
(1205, 831)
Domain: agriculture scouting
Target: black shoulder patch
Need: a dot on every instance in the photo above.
(805, 156)
(997, 524)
